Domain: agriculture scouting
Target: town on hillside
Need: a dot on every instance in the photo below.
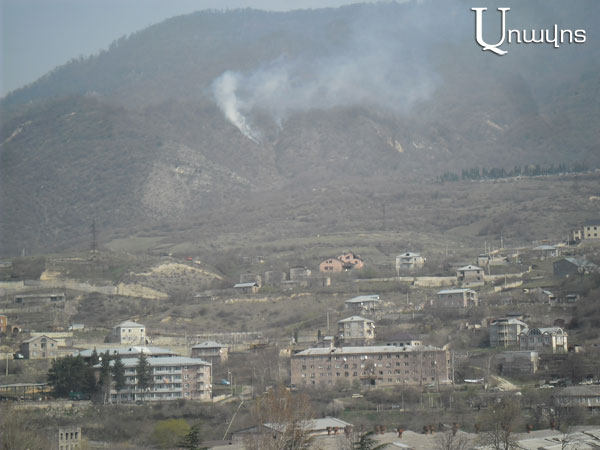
(421, 348)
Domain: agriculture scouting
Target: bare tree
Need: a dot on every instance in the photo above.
(498, 425)
(283, 421)
(452, 440)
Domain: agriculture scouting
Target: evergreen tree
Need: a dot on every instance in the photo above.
(71, 374)
(366, 442)
(192, 440)
(118, 375)
(105, 375)
(145, 376)
(94, 359)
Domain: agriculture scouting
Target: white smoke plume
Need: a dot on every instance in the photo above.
(374, 61)
(224, 89)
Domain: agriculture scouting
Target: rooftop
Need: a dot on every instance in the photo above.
(243, 285)
(364, 350)
(455, 291)
(355, 319)
(164, 361)
(130, 324)
(38, 337)
(210, 344)
(364, 298)
(469, 267)
(129, 350)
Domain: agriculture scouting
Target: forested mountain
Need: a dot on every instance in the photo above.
(215, 111)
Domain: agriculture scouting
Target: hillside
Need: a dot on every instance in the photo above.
(267, 122)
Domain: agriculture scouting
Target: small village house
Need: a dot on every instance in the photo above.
(356, 330)
(591, 230)
(364, 303)
(300, 273)
(544, 340)
(129, 333)
(505, 332)
(470, 276)
(39, 347)
(407, 262)
(403, 339)
(547, 251)
(251, 278)
(275, 277)
(483, 259)
(573, 266)
(457, 298)
(343, 263)
(247, 288)
(210, 351)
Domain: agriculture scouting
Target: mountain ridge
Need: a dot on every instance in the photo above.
(140, 137)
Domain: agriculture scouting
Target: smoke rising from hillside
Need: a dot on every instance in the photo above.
(372, 60)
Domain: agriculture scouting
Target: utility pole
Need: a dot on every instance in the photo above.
(93, 231)
(452, 369)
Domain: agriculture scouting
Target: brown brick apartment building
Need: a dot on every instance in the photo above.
(370, 366)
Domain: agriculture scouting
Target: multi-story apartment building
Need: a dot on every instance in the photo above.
(370, 366)
(356, 330)
(505, 332)
(174, 377)
(409, 261)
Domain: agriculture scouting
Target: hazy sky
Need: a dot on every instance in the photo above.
(38, 35)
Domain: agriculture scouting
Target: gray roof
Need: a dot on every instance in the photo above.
(365, 350)
(469, 267)
(545, 247)
(509, 321)
(37, 337)
(364, 298)
(355, 319)
(129, 350)
(243, 285)
(210, 344)
(164, 361)
(552, 330)
(130, 324)
(581, 262)
(580, 391)
(314, 424)
(408, 255)
(455, 291)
